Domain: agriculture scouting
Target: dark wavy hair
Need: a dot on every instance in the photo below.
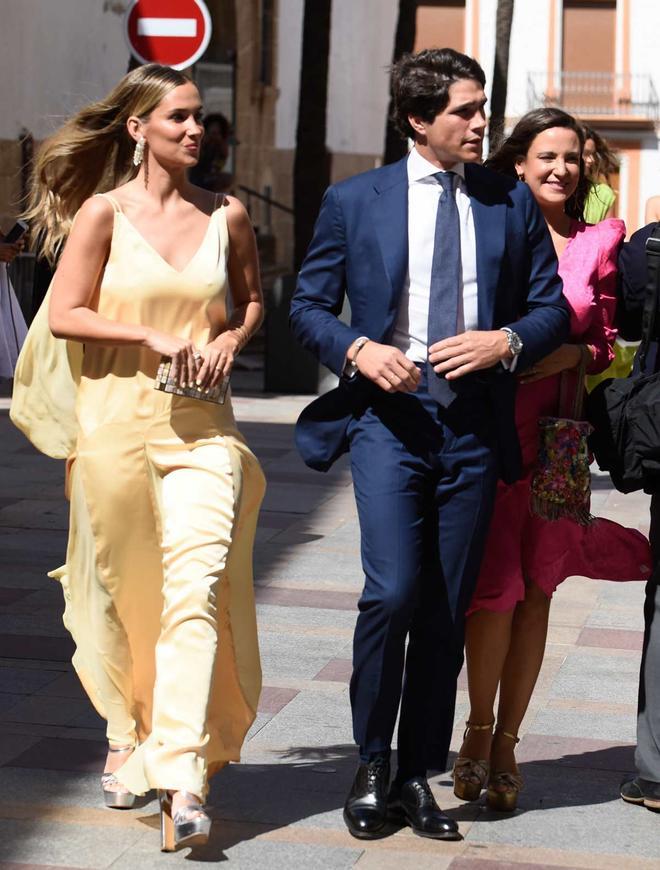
(421, 82)
(606, 161)
(518, 144)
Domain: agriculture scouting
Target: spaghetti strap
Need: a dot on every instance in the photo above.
(113, 202)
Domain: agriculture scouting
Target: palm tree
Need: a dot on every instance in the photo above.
(503, 23)
(404, 41)
(311, 169)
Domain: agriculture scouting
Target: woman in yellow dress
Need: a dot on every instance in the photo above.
(164, 492)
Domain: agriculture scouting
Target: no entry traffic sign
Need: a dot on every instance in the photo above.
(175, 33)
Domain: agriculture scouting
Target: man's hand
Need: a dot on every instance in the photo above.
(387, 367)
(469, 352)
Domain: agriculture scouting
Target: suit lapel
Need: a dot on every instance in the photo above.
(489, 216)
(389, 212)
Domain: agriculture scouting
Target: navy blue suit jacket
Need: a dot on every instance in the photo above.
(360, 249)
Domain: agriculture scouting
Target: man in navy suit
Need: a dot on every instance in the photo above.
(452, 282)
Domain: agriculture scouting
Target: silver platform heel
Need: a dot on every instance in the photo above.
(115, 795)
(190, 825)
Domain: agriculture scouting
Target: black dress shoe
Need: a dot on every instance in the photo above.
(414, 802)
(365, 810)
(641, 791)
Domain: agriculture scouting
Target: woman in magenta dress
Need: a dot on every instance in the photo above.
(527, 557)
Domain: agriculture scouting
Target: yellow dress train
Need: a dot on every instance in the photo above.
(164, 497)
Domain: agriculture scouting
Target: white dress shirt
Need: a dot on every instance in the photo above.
(411, 327)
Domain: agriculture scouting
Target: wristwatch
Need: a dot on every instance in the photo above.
(514, 341)
(350, 368)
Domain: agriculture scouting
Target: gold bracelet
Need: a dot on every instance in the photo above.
(243, 336)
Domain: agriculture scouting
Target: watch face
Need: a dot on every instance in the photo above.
(515, 342)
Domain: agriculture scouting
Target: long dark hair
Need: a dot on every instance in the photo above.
(518, 144)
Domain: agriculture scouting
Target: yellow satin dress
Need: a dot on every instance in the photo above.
(164, 500)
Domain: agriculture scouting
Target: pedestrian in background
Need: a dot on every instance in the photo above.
(164, 491)
(12, 324)
(209, 172)
(530, 550)
(600, 162)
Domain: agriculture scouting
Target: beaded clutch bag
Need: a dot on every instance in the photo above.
(168, 384)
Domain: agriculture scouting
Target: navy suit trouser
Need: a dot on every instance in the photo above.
(424, 479)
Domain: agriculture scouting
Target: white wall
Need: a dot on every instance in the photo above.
(57, 55)
(528, 52)
(361, 45)
(289, 54)
(361, 49)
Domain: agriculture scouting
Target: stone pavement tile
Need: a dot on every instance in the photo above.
(576, 752)
(337, 670)
(11, 865)
(296, 655)
(294, 499)
(314, 598)
(272, 699)
(44, 710)
(305, 619)
(402, 860)
(598, 675)
(36, 514)
(65, 686)
(28, 789)
(628, 618)
(64, 844)
(24, 681)
(8, 702)
(276, 520)
(273, 561)
(628, 595)
(40, 623)
(489, 864)
(14, 646)
(594, 707)
(311, 719)
(9, 596)
(611, 638)
(74, 755)
(581, 812)
(12, 745)
(582, 723)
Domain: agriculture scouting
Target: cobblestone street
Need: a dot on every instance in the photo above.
(281, 808)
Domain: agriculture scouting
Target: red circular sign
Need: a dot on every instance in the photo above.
(174, 33)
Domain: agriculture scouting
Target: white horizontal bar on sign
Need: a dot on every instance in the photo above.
(167, 27)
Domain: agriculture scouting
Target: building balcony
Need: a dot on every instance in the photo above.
(613, 99)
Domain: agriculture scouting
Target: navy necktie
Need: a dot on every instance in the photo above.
(445, 281)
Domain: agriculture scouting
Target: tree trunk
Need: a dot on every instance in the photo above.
(311, 170)
(395, 146)
(500, 73)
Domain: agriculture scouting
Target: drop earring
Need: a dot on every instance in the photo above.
(521, 176)
(138, 154)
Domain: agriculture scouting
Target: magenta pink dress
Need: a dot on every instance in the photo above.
(521, 545)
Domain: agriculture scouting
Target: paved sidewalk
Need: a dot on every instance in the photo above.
(281, 808)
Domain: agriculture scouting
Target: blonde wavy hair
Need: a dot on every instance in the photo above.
(92, 152)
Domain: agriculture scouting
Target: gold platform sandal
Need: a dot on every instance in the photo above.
(189, 826)
(504, 786)
(470, 774)
(116, 796)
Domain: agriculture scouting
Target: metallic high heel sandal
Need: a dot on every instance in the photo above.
(115, 795)
(189, 826)
(504, 786)
(470, 774)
